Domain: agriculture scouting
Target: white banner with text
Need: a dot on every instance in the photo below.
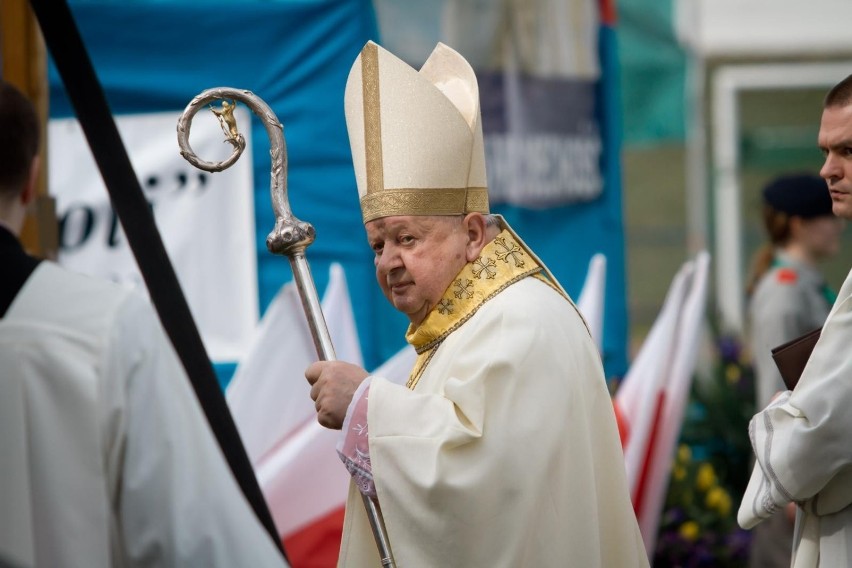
(206, 220)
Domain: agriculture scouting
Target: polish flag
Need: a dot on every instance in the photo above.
(305, 483)
(294, 458)
(638, 395)
(680, 375)
(651, 400)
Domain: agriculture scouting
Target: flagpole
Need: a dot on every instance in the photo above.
(290, 236)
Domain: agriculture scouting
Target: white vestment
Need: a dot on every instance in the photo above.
(506, 453)
(802, 447)
(106, 458)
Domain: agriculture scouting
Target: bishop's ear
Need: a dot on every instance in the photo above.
(477, 235)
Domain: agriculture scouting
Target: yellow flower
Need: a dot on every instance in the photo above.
(725, 505)
(718, 500)
(732, 374)
(689, 530)
(679, 473)
(714, 497)
(684, 454)
(706, 477)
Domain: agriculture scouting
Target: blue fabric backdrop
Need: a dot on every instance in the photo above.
(296, 56)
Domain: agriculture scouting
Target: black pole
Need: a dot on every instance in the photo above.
(86, 94)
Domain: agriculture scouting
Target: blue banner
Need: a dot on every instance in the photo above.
(296, 56)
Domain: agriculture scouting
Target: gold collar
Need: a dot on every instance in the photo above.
(501, 263)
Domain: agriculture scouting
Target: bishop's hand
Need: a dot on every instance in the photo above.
(332, 385)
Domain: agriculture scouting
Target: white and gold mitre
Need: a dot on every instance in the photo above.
(416, 136)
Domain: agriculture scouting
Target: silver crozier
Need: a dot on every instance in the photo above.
(290, 237)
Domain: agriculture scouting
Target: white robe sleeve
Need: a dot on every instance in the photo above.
(353, 446)
(178, 503)
(801, 441)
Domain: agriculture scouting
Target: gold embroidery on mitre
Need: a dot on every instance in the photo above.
(379, 198)
(422, 201)
(475, 284)
(372, 117)
(477, 200)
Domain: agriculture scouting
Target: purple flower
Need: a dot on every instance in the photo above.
(729, 349)
(737, 542)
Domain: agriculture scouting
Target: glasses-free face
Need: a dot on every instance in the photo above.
(416, 259)
(835, 142)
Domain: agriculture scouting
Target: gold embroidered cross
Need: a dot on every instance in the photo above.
(464, 287)
(509, 250)
(445, 307)
(485, 265)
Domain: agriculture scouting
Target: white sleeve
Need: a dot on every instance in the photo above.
(801, 442)
(353, 446)
(176, 500)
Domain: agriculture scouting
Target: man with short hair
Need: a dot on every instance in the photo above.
(502, 448)
(801, 440)
(106, 459)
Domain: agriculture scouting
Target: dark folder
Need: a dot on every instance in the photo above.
(791, 357)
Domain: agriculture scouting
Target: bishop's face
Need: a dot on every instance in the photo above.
(835, 141)
(417, 258)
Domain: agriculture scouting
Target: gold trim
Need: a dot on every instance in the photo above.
(502, 262)
(465, 315)
(419, 366)
(477, 200)
(372, 118)
(423, 201)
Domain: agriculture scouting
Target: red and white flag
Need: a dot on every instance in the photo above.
(268, 395)
(680, 375)
(638, 397)
(651, 400)
(295, 459)
(305, 483)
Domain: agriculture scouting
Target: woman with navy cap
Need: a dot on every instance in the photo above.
(788, 297)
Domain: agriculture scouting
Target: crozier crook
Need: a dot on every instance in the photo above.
(290, 236)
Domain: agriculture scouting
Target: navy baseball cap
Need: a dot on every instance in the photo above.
(802, 195)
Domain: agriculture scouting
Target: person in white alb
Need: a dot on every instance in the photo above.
(788, 297)
(801, 439)
(106, 459)
(502, 448)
